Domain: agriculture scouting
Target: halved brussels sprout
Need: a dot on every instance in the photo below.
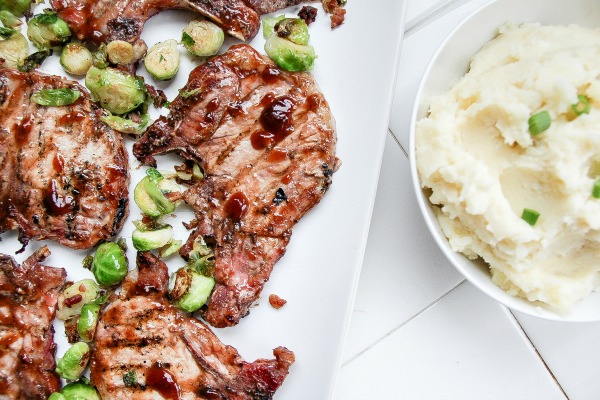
(47, 30)
(13, 48)
(76, 59)
(8, 19)
(170, 248)
(126, 125)
(117, 91)
(162, 60)
(16, 7)
(120, 52)
(57, 396)
(110, 264)
(74, 296)
(144, 239)
(293, 29)
(268, 24)
(288, 55)
(202, 38)
(189, 290)
(74, 361)
(149, 194)
(80, 390)
(86, 325)
(55, 97)
(34, 60)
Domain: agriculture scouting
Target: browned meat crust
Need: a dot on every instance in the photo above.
(63, 173)
(269, 6)
(28, 297)
(105, 20)
(266, 141)
(143, 345)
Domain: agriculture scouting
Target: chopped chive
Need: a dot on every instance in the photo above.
(596, 189)
(539, 122)
(582, 106)
(530, 216)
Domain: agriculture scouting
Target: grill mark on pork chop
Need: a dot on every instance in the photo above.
(140, 333)
(64, 174)
(235, 206)
(28, 299)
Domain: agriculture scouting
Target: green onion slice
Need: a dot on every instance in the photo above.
(530, 216)
(596, 189)
(539, 122)
(582, 106)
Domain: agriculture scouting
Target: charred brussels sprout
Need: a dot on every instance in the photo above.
(74, 296)
(162, 60)
(86, 325)
(47, 30)
(13, 48)
(55, 97)
(76, 59)
(120, 52)
(80, 390)
(74, 361)
(189, 290)
(202, 38)
(110, 264)
(117, 91)
(268, 24)
(293, 29)
(16, 7)
(289, 55)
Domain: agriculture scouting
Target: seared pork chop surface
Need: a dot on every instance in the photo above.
(28, 297)
(101, 21)
(63, 173)
(145, 348)
(266, 141)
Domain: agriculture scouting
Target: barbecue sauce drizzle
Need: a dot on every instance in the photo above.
(276, 121)
(163, 381)
(56, 203)
(236, 206)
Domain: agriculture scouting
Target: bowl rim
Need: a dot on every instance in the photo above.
(487, 287)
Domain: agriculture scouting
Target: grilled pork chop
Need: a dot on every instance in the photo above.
(28, 297)
(63, 173)
(266, 141)
(101, 21)
(144, 347)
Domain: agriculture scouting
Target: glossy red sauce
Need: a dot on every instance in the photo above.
(163, 381)
(58, 162)
(313, 102)
(56, 203)
(270, 74)
(236, 109)
(261, 139)
(287, 178)
(276, 118)
(236, 206)
(70, 118)
(277, 155)
(267, 99)
(23, 129)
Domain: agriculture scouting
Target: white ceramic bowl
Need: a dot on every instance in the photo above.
(451, 62)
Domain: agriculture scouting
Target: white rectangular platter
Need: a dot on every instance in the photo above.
(318, 275)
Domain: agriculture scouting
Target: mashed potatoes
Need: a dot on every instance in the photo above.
(483, 167)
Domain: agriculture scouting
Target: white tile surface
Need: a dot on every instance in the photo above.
(403, 270)
(571, 351)
(464, 347)
(411, 339)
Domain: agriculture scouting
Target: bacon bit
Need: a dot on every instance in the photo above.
(330, 5)
(308, 14)
(337, 18)
(71, 301)
(276, 301)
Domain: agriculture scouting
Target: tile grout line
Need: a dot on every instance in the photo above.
(423, 310)
(537, 353)
(398, 142)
